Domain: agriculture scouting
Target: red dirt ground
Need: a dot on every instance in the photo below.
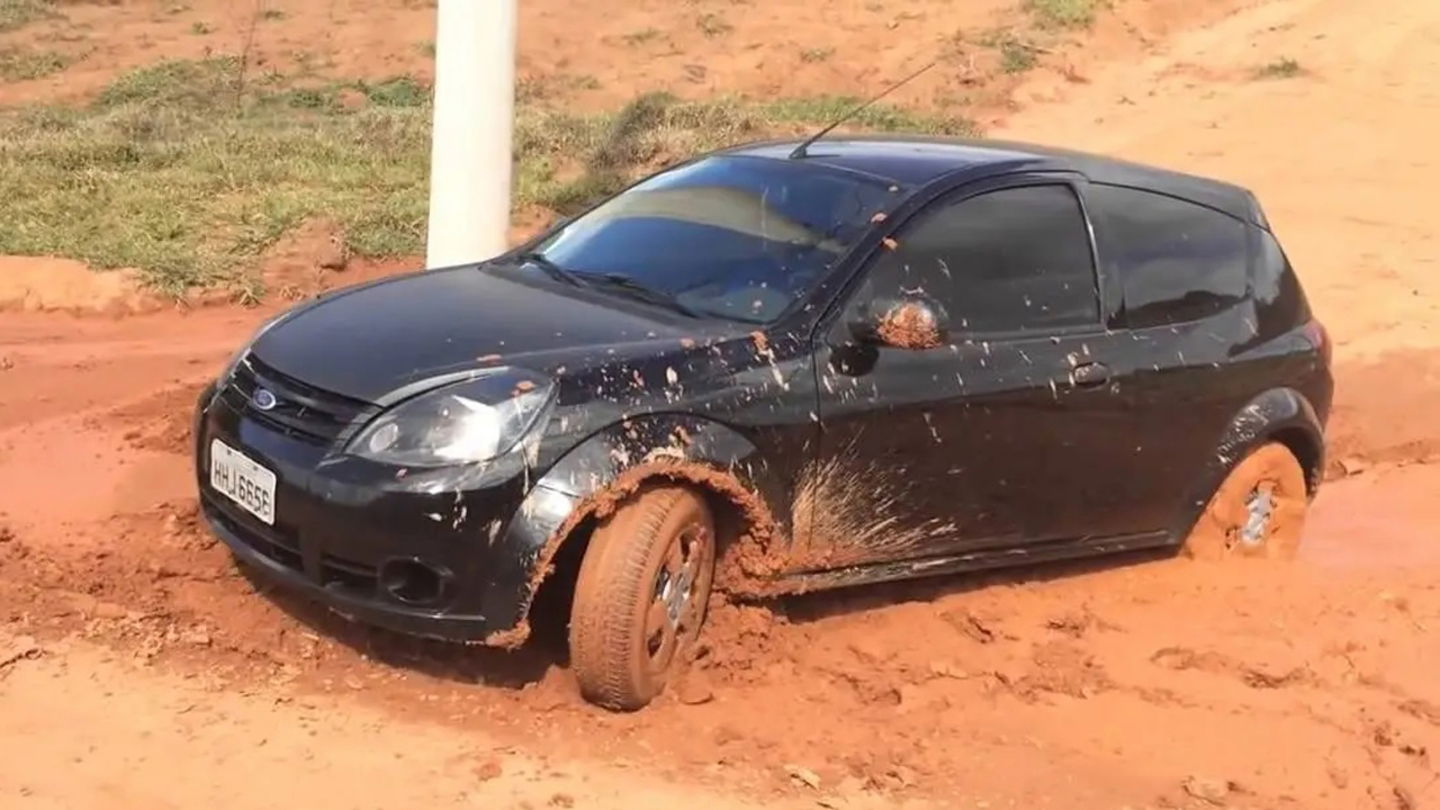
(139, 668)
(599, 55)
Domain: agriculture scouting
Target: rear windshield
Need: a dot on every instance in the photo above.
(735, 237)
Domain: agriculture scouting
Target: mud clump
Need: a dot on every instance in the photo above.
(909, 326)
(1060, 668)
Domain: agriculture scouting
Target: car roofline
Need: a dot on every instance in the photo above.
(808, 162)
(999, 157)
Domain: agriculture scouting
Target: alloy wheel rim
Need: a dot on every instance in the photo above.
(674, 606)
(1259, 508)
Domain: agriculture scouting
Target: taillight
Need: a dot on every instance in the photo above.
(1316, 333)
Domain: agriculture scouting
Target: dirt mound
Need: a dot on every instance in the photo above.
(160, 423)
(315, 258)
(43, 284)
(298, 265)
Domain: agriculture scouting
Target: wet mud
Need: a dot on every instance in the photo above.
(1063, 670)
(1141, 682)
(909, 326)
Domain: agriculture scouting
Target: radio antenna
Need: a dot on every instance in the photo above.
(800, 151)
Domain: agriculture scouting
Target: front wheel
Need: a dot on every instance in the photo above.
(1258, 510)
(641, 596)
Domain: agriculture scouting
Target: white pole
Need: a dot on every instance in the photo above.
(471, 142)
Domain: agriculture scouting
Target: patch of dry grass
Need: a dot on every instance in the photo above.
(21, 64)
(180, 171)
(1063, 13)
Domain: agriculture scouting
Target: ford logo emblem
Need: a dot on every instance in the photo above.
(263, 399)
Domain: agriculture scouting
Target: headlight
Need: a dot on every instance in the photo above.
(475, 420)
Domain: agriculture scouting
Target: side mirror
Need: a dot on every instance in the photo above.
(910, 321)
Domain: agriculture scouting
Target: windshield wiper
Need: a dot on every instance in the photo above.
(641, 292)
(552, 269)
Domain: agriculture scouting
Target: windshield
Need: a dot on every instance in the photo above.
(733, 237)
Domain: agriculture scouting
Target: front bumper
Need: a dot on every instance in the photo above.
(359, 604)
(342, 524)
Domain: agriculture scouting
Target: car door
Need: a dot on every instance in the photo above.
(999, 435)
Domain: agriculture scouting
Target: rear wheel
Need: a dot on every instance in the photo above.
(1258, 511)
(641, 595)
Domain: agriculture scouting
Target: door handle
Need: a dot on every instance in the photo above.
(1090, 375)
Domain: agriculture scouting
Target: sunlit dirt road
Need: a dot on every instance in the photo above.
(138, 668)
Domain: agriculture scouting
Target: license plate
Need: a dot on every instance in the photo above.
(235, 476)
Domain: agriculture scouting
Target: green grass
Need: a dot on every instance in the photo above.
(1063, 13)
(19, 64)
(1016, 54)
(1284, 68)
(175, 171)
(816, 54)
(18, 13)
(174, 84)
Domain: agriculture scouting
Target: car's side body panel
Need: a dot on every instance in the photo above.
(1120, 462)
(930, 451)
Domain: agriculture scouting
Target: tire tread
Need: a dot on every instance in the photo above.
(618, 571)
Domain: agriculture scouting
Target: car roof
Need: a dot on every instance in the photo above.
(919, 161)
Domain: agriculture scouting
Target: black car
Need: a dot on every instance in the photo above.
(778, 370)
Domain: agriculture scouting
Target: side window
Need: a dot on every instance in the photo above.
(1178, 261)
(1007, 260)
(1279, 302)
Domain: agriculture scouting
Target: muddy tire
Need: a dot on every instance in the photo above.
(1258, 510)
(641, 596)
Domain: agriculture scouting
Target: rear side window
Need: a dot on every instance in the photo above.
(1009, 260)
(1178, 261)
(1279, 302)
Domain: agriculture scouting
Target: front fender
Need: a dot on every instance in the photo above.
(610, 463)
(1282, 414)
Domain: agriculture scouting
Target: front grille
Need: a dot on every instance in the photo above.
(300, 410)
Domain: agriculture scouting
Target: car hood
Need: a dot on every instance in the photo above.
(370, 340)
